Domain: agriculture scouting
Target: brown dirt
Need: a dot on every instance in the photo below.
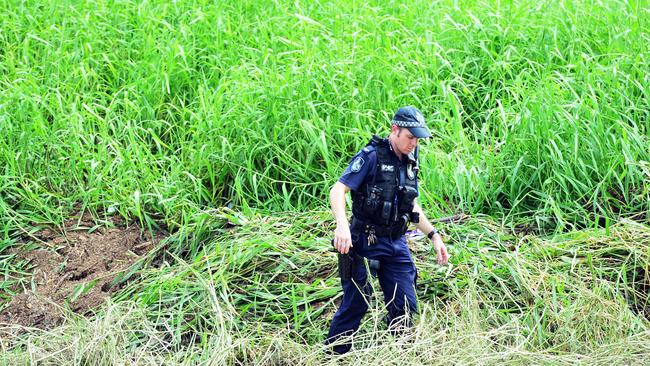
(75, 259)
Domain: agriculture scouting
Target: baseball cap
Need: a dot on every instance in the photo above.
(411, 118)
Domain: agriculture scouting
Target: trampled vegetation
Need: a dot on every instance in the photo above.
(225, 124)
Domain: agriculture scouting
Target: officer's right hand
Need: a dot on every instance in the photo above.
(342, 239)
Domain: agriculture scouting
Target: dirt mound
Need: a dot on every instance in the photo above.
(76, 271)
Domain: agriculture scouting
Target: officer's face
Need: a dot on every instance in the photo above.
(404, 140)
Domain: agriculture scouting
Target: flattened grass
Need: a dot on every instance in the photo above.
(265, 291)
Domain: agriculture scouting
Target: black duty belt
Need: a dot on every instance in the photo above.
(366, 227)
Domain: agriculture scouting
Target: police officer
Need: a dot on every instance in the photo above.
(384, 184)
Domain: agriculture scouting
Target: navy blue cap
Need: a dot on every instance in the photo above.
(411, 118)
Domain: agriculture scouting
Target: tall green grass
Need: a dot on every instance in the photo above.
(539, 109)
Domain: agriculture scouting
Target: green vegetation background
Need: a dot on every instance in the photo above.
(538, 108)
(162, 111)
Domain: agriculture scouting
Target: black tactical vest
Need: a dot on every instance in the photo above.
(382, 204)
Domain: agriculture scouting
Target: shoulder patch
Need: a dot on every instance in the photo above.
(357, 164)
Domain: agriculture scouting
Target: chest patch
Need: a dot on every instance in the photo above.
(387, 168)
(357, 164)
(410, 172)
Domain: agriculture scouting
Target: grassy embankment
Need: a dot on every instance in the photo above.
(162, 112)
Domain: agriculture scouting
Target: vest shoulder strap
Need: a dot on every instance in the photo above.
(376, 140)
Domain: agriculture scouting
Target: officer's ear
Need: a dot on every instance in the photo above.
(395, 129)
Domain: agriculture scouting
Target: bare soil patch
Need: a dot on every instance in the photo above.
(75, 270)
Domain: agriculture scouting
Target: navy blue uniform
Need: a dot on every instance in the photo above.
(396, 274)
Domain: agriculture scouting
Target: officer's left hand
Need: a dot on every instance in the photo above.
(441, 250)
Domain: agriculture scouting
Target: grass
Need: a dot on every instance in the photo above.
(158, 108)
(13, 271)
(263, 293)
(227, 123)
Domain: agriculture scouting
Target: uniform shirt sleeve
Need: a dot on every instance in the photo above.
(361, 167)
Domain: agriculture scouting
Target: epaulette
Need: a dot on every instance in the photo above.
(368, 149)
